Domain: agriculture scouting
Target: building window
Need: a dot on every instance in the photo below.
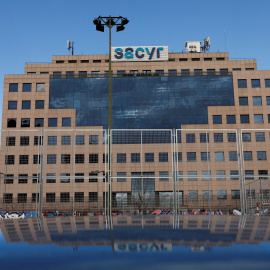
(40, 87)
(231, 137)
(8, 198)
(220, 175)
(65, 159)
(135, 157)
(205, 156)
(257, 101)
(65, 140)
(255, 83)
(222, 194)
(79, 177)
(39, 122)
(233, 156)
(57, 74)
(11, 122)
(204, 137)
(50, 197)
(51, 159)
(268, 115)
(159, 72)
(38, 140)
(24, 140)
(242, 83)
(66, 122)
(207, 194)
(258, 118)
(172, 72)
(246, 137)
(93, 139)
(9, 159)
(244, 119)
(65, 177)
(193, 195)
(263, 172)
(247, 155)
(224, 71)
(161, 174)
(235, 194)
(25, 122)
(260, 136)
(219, 156)
(243, 101)
(234, 175)
(120, 177)
(23, 159)
(192, 175)
(12, 105)
(210, 71)
(82, 74)
(93, 196)
(9, 179)
(23, 178)
(79, 139)
(261, 155)
(52, 122)
(218, 137)
(22, 197)
(267, 100)
(79, 158)
(120, 73)
(95, 74)
(39, 104)
(27, 87)
(249, 174)
(191, 156)
(26, 104)
(267, 82)
(52, 140)
(198, 72)
(180, 176)
(51, 178)
(163, 157)
(190, 138)
(217, 119)
(70, 74)
(236, 69)
(93, 158)
(10, 141)
(149, 157)
(13, 87)
(93, 177)
(230, 119)
(36, 159)
(121, 158)
(185, 71)
(35, 179)
(180, 157)
(64, 197)
(79, 197)
(35, 197)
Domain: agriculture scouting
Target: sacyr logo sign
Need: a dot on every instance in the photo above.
(140, 53)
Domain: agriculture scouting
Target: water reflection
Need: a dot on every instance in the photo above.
(182, 240)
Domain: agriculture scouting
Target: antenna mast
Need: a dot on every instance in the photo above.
(70, 45)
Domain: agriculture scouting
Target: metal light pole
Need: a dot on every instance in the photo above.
(110, 22)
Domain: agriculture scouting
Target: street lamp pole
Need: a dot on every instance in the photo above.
(110, 22)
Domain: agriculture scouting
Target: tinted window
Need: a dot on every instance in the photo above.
(12, 105)
(39, 104)
(27, 87)
(255, 83)
(13, 87)
(243, 101)
(242, 83)
(26, 104)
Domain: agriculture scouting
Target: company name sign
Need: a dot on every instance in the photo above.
(141, 53)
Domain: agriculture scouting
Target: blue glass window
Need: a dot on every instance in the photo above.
(217, 119)
(180, 157)
(163, 157)
(39, 104)
(193, 195)
(65, 140)
(83, 74)
(27, 87)
(52, 140)
(268, 118)
(39, 122)
(246, 137)
(121, 174)
(121, 158)
(52, 122)
(205, 156)
(161, 174)
(207, 194)
(260, 137)
(255, 83)
(26, 104)
(231, 137)
(12, 105)
(267, 82)
(247, 155)
(267, 100)
(219, 156)
(51, 159)
(233, 173)
(220, 175)
(257, 101)
(70, 74)
(204, 137)
(66, 122)
(93, 139)
(191, 156)
(135, 157)
(249, 174)
(218, 137)
(190, 138)
(244, 119)
(258, 118)
(230, 119)
(243, 101)
(242, 83)
(206, 176)
(233, 156)
(13, 87)
(149, 157)
(79, 139)
(261, 155)
(192, 175)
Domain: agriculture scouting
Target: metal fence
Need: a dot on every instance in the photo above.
(139, 172)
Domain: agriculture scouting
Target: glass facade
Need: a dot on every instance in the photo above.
(142, 102)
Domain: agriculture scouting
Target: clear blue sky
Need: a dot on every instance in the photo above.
(33, 30)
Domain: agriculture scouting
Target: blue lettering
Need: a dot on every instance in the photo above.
(119, 53)
(159, 49)
(132, 247)
(154, 247)
(129, 53)
(150, 53)
(143, 247)
(163, 248)
(137, 52)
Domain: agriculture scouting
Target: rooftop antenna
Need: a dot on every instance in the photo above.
(206, 45)
(70, 45)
